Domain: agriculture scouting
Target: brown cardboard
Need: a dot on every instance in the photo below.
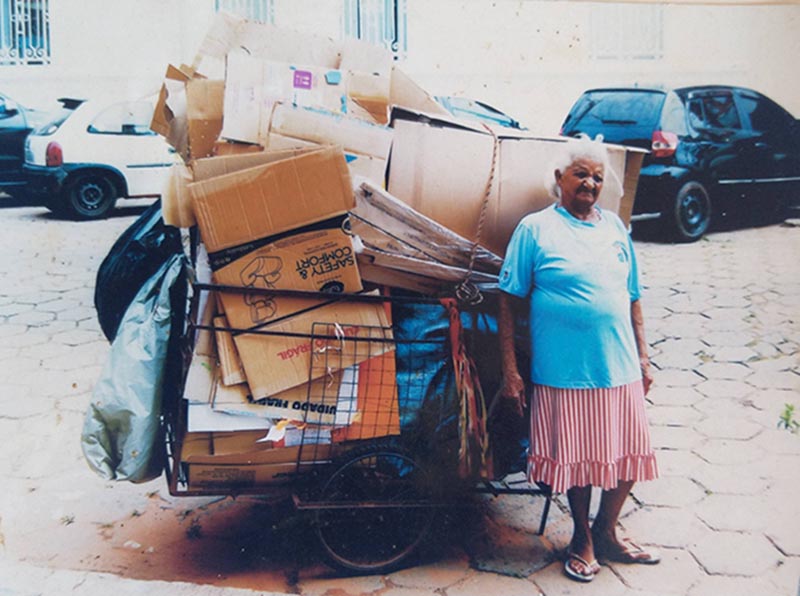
(253, 86)
(229, 361)
(317, 126)
(441, 169)
(211, 167)
(404, 92)
(176, 203)
(265, 200)
(321, 260)
(369, 69)
(274, 363)
(224, 147)
(314, 402)
(204, 101)
(169, 115)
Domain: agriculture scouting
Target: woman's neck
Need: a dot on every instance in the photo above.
(589, 215)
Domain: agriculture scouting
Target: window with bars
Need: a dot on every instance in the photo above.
(381, 22)
(627, 31)
(262, 11)
(24, 32)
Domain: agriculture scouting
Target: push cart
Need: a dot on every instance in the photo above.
(383, 438)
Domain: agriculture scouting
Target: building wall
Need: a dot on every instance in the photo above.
(529, 58)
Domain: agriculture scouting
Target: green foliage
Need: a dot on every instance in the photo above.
(787, 420)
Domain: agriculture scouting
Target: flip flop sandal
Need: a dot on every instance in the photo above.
(628, 552)
(590, 569)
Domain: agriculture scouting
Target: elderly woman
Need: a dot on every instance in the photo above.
(590, 371)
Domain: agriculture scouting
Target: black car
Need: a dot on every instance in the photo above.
(710, 147)
(16, 122)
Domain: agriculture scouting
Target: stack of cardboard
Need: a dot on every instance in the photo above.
(310, 164)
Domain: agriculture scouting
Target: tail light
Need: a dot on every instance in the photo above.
(664, 144)
(54, 156)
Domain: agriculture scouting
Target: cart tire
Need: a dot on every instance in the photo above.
(374, 540)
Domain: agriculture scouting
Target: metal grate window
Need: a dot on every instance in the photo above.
(24, 32)
(262, 11)
(627, 31)
(381, 22)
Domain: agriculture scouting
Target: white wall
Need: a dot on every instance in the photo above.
(530, 58)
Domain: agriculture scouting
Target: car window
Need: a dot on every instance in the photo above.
(55, 120)
(714, 111)
(673, 115)
(617, 108)
(764, 114)
(128, 118)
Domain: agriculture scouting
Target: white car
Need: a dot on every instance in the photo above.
(88, 155)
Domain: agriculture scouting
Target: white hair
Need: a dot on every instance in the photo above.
(583, 147)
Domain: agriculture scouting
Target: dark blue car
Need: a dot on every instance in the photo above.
(711, 147)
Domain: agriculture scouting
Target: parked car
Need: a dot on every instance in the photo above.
(472, 109)
(88, 155)
(710, 147)
(16, 122)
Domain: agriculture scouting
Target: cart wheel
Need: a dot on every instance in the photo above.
(380, 510)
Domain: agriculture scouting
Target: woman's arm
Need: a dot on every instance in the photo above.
(513, 384)
(637, 319)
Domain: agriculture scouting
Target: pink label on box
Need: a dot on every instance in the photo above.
(302, 79)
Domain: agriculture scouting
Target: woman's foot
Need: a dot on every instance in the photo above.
(579, 569)
(609, 548)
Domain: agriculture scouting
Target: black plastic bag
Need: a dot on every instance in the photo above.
(133, 259)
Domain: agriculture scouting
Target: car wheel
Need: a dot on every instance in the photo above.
(90, 196)
(691, 212)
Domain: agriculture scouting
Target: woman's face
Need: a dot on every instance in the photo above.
(580, 184)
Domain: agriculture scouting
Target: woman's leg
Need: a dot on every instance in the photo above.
(581, 544)
(611, 502)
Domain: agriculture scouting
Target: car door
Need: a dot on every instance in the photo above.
(729, 155)
(122, 138)
(13, 130)
(777, 135)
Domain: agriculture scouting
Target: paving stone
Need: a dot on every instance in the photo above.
(728, 452)
(8, 330)
(673, 491)
(784, 577)
(59, 305)
(347, 586)
(79, 313)
(733, 371)
(723, 388)
(728, 427)
(678, 360)
(728, 315)
(775, 380)
(734, 553)
(676, 573)
(720, 585)
(674, 437)
(551, 581)
(668, 527)
(737, 513)
(776, 364)
(664, 415)
(431, 577)
(14, 308)
(481, 584)
(663, 395)
(764, 349)
(728, 338)
(677, 462)
(677, 379)
(779, 441)
(718, 479)
(723, 407)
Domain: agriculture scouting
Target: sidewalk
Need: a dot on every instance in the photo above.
(722, 321)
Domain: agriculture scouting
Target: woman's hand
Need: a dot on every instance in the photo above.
(514, 389)
(647, 373)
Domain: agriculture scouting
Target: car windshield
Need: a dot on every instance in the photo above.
(130, 118)
(54, 121)
(624, 108)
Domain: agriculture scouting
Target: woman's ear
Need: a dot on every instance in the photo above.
(557, 175)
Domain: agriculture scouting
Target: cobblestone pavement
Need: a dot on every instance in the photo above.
(722, 319)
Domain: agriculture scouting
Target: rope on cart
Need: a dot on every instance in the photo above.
(467, 292)
(473, 450)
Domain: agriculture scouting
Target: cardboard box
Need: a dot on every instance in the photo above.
(327, 128)
(315, 402)
(405, 93)
(230, 364)
(169, 115)
(253, 86)
(204, 111)
(440, 167)
(370, 77)
(262, 41)
(321, 260)
(258, 202)
(274, 363)
(211, 167)
(176, 204)
(224, 147)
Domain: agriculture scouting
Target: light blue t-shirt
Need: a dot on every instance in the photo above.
(581, 278)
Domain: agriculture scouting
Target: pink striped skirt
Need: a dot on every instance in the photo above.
(594, 437)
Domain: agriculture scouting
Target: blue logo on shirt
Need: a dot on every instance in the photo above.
(622, 254)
